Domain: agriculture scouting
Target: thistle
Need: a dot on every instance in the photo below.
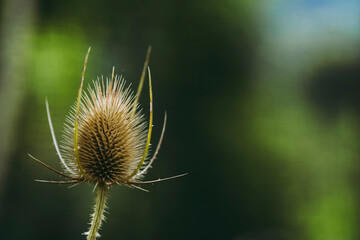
(106, 141)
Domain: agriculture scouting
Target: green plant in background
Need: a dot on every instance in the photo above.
(106, 141)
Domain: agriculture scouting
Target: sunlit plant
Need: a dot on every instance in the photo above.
(106, 140)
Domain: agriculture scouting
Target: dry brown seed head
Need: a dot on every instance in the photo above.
(111, 138)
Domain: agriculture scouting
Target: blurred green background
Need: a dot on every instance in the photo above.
(263, 111)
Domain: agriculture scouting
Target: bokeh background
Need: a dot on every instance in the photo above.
(263, 111)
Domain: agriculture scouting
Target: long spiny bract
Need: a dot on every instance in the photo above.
(144, 155)
(142, 78)
(76, 120)
(54, 139)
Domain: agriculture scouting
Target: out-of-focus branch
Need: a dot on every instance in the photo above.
(16, 31)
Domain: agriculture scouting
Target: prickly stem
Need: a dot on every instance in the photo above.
(98, 215)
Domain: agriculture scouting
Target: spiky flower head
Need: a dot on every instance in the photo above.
(111, 134)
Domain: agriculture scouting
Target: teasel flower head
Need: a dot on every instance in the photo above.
(106, 140)
(111, 135)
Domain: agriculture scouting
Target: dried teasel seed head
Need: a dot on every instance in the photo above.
(106, 140)
(111, 136)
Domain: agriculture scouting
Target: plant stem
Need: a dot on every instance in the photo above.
(98, 215)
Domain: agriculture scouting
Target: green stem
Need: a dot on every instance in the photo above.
(98, 215)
